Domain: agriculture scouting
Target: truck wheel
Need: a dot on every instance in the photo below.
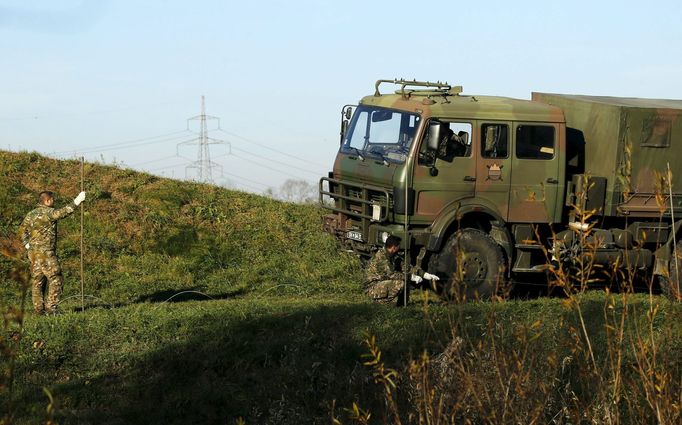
(672, 284)
(472, 263)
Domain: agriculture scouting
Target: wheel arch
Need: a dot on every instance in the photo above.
(462, 214)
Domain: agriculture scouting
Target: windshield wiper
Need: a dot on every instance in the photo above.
(357, 151)
(383, 158)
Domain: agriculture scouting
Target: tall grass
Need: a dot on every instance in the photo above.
(605, 358)
(539, 368)
(12, 328)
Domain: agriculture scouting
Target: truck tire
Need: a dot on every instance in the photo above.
(671, 285)
(481, 270)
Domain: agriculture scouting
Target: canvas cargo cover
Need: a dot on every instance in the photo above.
(630, 142)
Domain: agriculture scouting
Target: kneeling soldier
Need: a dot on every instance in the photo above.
(384, 283)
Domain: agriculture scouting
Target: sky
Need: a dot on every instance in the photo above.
(116, 81)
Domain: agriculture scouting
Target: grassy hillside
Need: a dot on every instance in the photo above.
(147, 238)
(272, 327)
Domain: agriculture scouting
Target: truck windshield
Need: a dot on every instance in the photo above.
(382, 133)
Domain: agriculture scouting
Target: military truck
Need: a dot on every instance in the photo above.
(487, 190)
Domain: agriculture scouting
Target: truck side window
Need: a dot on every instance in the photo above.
(535, 142)
(455, 141)
(460, 141)
(495, 140)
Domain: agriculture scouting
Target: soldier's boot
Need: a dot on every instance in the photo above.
(397, 294)
(37, 288)
(400, 300)
(54, 292)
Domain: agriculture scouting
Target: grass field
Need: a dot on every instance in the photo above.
(207, 305)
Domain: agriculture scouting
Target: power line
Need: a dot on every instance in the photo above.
(153, 160)
(121, 144)
(229, 174)
(166, 167)
(203, 164)
(277, 162)
(269, 148)
(236, 156)
(224, 172)
(266, 166)
(133, 146)
(129, 143)
(245, 179)
(251, 187)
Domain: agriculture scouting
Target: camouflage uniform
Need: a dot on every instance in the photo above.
(383, 283)
(39, 231)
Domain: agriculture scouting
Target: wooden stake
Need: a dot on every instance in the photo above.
(82, 216)
(672, 218)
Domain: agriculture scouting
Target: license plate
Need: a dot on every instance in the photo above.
(355, 235)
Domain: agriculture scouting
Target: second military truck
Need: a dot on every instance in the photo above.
(482, 189)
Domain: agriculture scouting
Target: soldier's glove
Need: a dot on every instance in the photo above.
(80, 198)
(416, 279)
(429, 276)
(27, 246)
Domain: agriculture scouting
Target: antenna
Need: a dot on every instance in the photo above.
(82, 255)
(203, 164)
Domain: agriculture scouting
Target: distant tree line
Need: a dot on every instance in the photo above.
(295, 191)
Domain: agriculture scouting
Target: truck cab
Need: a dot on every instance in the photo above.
(481, 189)
(426, 162)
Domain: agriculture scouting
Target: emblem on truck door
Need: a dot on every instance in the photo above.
(494, 172)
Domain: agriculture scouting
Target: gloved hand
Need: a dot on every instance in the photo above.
(80, 198)
(27, 246)
(416, 279)
(429, 276)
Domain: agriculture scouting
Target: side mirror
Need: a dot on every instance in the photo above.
(346, 113)
(433, 136)
(344, 129)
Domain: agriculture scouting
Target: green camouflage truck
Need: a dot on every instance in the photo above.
(487, 190)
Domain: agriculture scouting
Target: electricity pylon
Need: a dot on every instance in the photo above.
(203, 164)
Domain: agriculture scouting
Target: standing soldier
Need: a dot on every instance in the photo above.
(39, 235)
(384, 282)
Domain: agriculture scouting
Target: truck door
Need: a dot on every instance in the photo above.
(493, 169)
(447, 175)
(535, 179)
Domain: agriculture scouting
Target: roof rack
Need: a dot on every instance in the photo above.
(443, 89)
